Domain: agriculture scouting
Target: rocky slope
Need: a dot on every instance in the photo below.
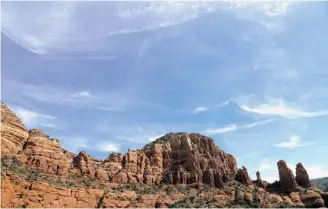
(176, 170)
(321, 183)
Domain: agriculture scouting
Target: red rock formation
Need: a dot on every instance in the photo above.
(302, 177)
(85, 164)
(259, 182)
(46, 154)
(295, 197)
(312, 199)
(113, 160)
(13, 132)
(190, 158)
(179, 159)
(20, 193)
(286, 177)
(243, 177)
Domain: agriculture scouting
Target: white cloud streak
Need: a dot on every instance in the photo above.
(203, 108)
(293, 142)
(82, 94)
(105, 101)
(109, 108)
(52, 27)
(280, 108)
(76, 144)
(200, 109)
(223, 104)
(265, 166)
(56, 24)
(108, 147)
(153, 138)
(228, 128)
(33, 119)
(234, 127)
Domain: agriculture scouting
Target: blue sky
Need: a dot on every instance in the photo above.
(109, 76)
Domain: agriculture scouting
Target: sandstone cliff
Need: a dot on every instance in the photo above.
(13, 132)
(176, 170)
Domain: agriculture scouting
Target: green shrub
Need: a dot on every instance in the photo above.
(21, 195)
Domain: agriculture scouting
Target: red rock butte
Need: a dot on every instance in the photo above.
(33, 165)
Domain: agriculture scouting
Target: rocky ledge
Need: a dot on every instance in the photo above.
(176, 170)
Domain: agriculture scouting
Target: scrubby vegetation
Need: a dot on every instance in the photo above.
(163, 139)
(194, 202)
(13, 165)
(234, 194)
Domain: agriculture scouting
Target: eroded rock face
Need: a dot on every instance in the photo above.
(45, 154)
(259, 182)
(302, 177)
(20, 193)
(189, 158)
(85, 164)
(286, 177)
(243, 177)
(13, 133)
(179, 159)
(174, 158)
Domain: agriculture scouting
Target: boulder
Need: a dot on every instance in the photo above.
(311, 199)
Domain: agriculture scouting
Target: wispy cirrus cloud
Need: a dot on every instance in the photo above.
(54, 95)
(127, 18)
(234, 127)
(82, 94)
(265, 166)
(153, 138)
(140, 138)
(110, 108)
(74, 143)
(76, 57)
(293, 142)
(108, 147)
(53, 33)
(33, 119)
(200, 109)
(203, 108)
(279, 107)
(79, 143)
(225, 129)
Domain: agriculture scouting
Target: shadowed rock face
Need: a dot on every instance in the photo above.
(243, 177)
(302, 177)
(286, 177)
